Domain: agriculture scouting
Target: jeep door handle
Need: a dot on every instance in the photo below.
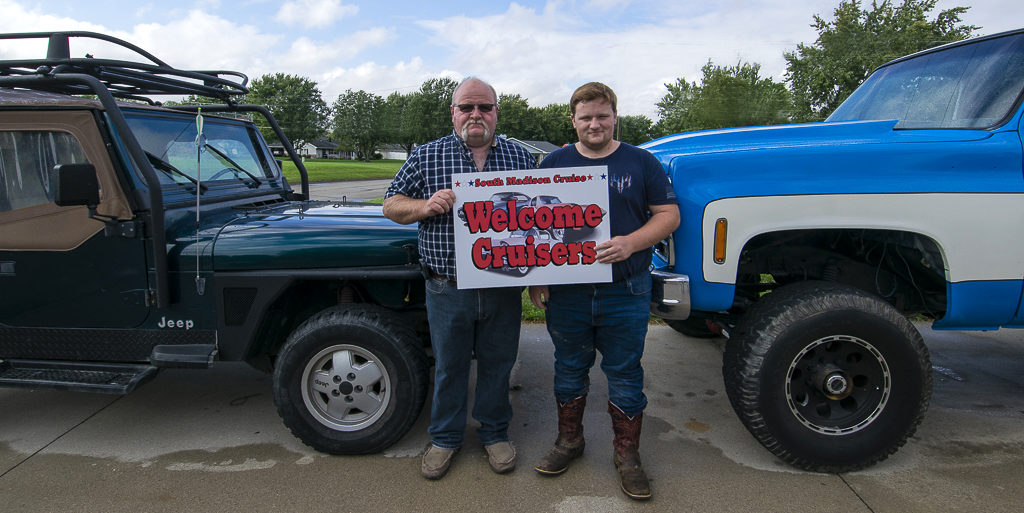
(6, 268)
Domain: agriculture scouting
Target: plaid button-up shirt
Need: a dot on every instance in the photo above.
(430, 169)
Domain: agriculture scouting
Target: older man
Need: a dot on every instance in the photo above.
(484, 322)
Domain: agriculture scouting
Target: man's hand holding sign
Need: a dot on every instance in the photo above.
(440, 202)
(407, 210)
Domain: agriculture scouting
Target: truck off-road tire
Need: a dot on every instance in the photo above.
(351, 380)
(696, 327)
(827, 377)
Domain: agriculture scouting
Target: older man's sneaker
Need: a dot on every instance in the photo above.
(437, 461)
(501, 456)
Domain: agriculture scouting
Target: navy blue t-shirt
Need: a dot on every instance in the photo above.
(635, 181)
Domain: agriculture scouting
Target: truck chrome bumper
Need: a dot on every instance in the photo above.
(670, 295)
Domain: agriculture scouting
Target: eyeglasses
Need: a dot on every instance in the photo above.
(466, 108)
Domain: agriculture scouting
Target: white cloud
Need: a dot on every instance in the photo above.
(604, 5)
(541, 52)
(204, 41)
(314, 13)
(382, 80)
(544, 56)
(15, 18)
(196, 41)
(307, 54)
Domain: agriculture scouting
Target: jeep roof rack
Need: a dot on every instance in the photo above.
(124, 79)
(109, 79)
(61, 73)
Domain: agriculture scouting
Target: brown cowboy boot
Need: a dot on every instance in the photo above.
(570, 443)
(627, 458)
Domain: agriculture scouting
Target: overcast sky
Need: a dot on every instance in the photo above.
(540, 50)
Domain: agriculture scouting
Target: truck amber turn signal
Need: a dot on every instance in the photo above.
(721, 226)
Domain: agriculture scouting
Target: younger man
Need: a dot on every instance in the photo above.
(607, 317)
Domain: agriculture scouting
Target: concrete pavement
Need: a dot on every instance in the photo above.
(210, 440)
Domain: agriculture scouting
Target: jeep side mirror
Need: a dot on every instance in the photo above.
(76, 184)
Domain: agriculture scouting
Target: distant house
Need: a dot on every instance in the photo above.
(323, 149)
(319, 149)
(538, 149)
(393, 151)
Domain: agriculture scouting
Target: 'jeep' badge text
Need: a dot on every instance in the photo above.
(171, 323)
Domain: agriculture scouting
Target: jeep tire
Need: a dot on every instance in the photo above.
(351, 380)
(827, 377)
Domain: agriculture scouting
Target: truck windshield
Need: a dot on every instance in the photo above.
(970, 86)
(228, 144)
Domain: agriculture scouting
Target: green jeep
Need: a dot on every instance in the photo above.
(135, 236)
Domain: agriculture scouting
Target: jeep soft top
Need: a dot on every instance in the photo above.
(136, 236)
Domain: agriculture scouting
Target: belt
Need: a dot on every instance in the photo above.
(440, 277)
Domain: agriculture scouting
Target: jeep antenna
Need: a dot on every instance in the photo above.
(200, 143)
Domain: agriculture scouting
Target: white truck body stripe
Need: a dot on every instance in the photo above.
(970, 229)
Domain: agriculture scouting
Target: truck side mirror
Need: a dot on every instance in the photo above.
(76, 184)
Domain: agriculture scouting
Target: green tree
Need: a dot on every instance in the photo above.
(399, 123)
(555, 124)
(515, 117)
(295, 102)
(676, 110)
(725, 97)
(357, 121)
(635, 129)
(856, 41)
(432, 109)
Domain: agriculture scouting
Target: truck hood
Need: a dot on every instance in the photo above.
(834, 157)
(800, 136)
(309, 235)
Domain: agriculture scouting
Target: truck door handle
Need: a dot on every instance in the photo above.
(6, 268)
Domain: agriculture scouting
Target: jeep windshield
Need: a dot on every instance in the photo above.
(232, 149)
(971, 86)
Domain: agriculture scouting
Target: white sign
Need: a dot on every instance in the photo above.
(530, 227)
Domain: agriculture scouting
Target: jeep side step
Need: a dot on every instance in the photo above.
(103, 378)
(190, 356)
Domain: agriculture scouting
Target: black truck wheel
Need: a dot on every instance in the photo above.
(351, 380)
(827, 377)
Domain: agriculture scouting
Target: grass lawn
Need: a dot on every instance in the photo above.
(335, 170)
(531, 313)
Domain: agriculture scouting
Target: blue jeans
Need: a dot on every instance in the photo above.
(484, 322)
(607, 317)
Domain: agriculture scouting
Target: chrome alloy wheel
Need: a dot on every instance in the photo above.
(346, 387)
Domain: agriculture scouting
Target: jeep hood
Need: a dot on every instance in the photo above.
(309, 235)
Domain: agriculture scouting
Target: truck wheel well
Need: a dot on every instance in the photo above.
(904, 268)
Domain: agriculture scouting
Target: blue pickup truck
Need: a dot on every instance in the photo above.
(809, 246)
